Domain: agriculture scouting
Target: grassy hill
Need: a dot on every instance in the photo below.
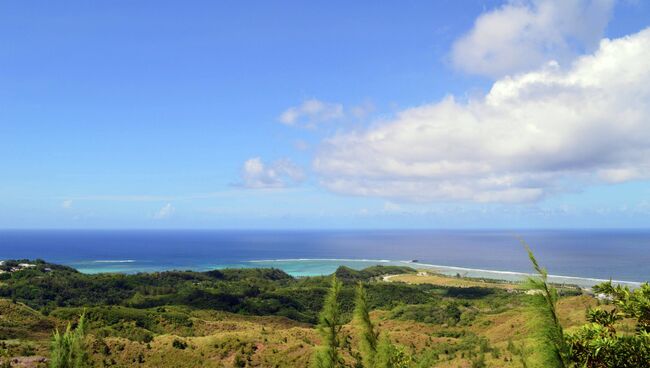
(263, 317)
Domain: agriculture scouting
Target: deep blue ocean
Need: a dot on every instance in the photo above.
(585, 254)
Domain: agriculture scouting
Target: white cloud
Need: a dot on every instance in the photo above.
(523, 35)
(165, 212)
(531, 135)
(67, 204)
(279, 174)
(312, 112)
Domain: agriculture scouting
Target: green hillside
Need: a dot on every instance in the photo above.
(266, 318)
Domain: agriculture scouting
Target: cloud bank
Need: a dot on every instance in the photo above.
(533, 134)
(522, 35)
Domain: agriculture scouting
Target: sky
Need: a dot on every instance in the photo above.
(324, 114)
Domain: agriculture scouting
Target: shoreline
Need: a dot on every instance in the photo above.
(583, 282)
(301, 267)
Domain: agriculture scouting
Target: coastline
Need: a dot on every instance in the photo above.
(302, 267)
(586, 257)
(499, 275)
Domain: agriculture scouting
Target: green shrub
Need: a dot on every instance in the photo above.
(179, 344)
(69, 349)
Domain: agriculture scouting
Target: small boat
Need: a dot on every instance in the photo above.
(414, 261)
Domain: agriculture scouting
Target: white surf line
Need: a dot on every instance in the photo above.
(515, 273)
(115, 261)
(322, 259)
(521, 273)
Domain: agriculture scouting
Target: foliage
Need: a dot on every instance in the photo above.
(391, 356)
(553, 346)
(48, 287)
(329, 327)
(188, 306)
(368, 337)
(595, 346)
(179, 344)
(631, 303)
(375, 351)
(349, 275)
(479, 361)
(598, 344)
(69, 349)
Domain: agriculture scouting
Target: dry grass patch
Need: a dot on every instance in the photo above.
(442, 280)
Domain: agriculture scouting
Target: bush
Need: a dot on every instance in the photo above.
(69, 349)
(179, 344)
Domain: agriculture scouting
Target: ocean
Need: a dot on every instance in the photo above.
(583, 257)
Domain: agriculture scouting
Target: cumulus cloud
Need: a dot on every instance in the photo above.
(279, 174)
(165, 212)
(522, 35)
(531, 135)
(312, 112)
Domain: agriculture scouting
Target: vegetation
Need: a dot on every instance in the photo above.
(69, 349)
(547, 327)
(48, 287)
(391, 356)
(368, 336)
(330, 325)
(373, 352)
(266, 318)
(596, 344)
(349, 275)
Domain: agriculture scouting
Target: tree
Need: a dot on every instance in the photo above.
(69, 349)
(553, 346)
(375, 352)
(330, 324)
(368, 337)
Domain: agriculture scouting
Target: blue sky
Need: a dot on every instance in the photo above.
(333, 114)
